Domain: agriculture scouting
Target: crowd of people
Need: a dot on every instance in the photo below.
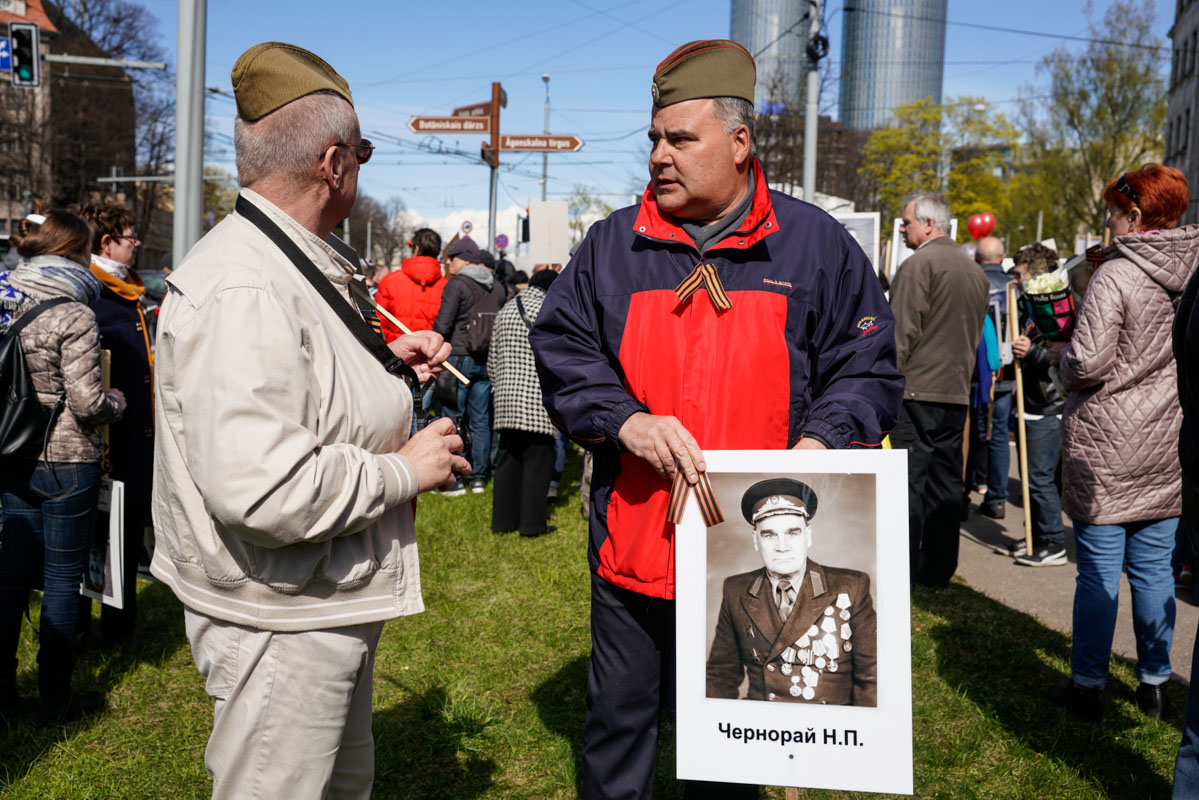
(276, 440)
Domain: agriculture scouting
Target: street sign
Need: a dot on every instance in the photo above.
(501, 241)
(467, 228)
(450, 124)
(477, 110)
(5, 55)
(540, 142)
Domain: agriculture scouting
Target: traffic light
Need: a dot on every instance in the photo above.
(26, 60)
(523, 234)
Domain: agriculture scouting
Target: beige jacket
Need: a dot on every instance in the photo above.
(62, 351)
(1122, 417)
(279, 499)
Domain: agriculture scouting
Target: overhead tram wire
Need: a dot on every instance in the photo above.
(1000, 29)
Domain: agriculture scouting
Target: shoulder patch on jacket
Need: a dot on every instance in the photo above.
(867, 324)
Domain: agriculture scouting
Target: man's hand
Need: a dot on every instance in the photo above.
(434, 452)
(1021, 345)
(424, 351)
(809, 444)
(663, 442)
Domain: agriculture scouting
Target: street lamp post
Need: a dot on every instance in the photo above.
(545, 157)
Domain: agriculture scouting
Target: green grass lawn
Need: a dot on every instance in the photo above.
(482, 696)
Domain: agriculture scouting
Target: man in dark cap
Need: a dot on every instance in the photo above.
(716, 314)
(802, 632)
(284, 471)
(469, 304)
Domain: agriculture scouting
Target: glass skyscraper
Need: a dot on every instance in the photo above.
(892, 53)
(761, 26)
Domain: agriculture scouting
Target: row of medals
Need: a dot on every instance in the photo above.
(815, 655)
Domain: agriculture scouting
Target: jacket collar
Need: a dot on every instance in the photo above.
(129, 289)
(652, 223)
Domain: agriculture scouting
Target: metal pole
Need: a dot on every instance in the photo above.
(189, 128)
(545, 157)
(813, 110)
(495, 164)
(495, 182)
(368, 240)
(1040, 219)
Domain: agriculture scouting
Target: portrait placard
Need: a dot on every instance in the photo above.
(793, 637)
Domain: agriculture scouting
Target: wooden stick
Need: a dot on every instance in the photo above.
(791, 793)
(105, 385)
(365, 295)
(1013, 324)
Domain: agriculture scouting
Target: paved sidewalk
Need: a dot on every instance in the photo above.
(1047, 593)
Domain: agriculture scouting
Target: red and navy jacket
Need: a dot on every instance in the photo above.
(806, 348)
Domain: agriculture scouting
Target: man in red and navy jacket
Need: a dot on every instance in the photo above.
(716, 315)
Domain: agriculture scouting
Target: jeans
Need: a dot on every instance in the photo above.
(49, 511)
(1186, 765)
(474, 402)
(1102, 549)
(1044, 439)
(1000, 455)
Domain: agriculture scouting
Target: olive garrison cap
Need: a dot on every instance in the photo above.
(777, 496)
(270, 75)
(707, 68)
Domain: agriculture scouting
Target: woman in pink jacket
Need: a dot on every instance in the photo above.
(1121, 476)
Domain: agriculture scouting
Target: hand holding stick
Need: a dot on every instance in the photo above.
(365, 295)
(1013, 323)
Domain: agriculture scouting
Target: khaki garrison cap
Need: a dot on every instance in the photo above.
(270, 75)
(707, 68)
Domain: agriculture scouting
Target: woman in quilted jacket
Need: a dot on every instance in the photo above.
(49, 501)
(1120, 470)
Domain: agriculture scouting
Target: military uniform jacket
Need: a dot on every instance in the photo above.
(826, 651)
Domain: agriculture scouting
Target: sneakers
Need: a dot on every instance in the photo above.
(1013, 549)
(478, 486)
(1152, 700)
(76, 706)
(1083, 702)
(994, 509)
(458, 489)
(1045, 555)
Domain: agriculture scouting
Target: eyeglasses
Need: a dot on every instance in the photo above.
(362, 150)
(1123, 188)
(131, 237)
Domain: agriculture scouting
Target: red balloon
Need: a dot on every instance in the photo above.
(981, 225)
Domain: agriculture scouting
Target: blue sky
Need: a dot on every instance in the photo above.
(405, 58)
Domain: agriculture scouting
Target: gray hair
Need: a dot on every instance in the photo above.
(735, 112)
(930, 207)
(289, 141)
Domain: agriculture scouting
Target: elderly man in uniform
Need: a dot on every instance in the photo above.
(285, 474)
(715, 314)
(802, 631)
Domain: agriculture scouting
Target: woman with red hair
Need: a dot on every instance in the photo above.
(1120, 472)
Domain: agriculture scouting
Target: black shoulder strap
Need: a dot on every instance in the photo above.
(523, 316)
(345, 312)
(28, 316)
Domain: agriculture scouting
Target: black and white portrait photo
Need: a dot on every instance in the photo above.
(793, 621)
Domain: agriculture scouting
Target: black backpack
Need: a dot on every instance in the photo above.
(24, 421)
(480, 320)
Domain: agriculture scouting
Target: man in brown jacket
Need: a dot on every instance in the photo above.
(939, 297)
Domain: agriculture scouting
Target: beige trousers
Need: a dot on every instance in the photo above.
(292, 717)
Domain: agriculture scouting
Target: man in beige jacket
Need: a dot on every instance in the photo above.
(284, 470)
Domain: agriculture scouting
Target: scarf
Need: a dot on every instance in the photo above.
(113, 268)
(43, 278)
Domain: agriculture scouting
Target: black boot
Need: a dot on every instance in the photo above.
(1084, 702)
(1153, 700)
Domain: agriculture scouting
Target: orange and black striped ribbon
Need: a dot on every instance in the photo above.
(704, 275)
(1095, 254)
(703, 495)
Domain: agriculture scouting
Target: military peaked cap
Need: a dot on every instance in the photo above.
(777, 496)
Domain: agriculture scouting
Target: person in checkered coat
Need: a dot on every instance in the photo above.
(526, 454)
